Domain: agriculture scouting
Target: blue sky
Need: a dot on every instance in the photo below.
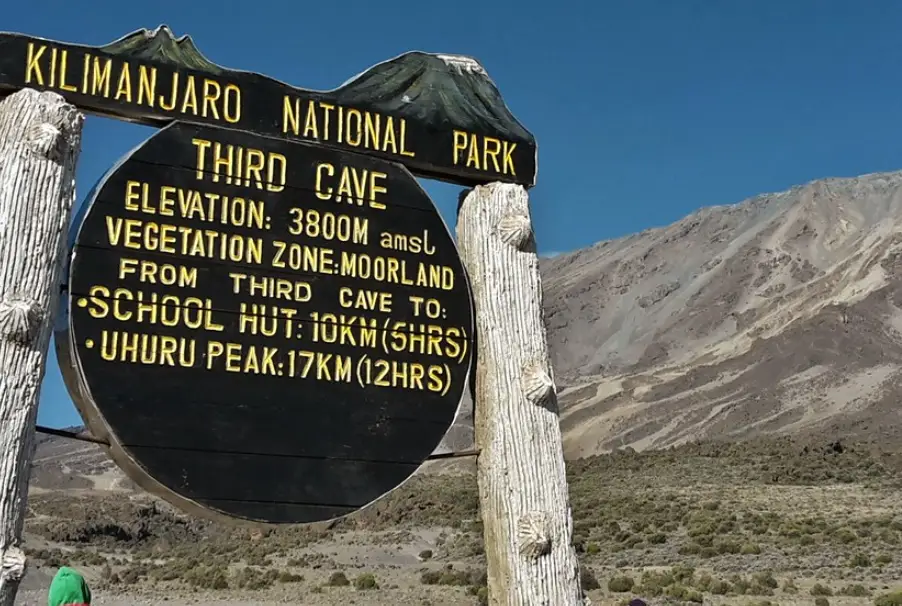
(643, 110)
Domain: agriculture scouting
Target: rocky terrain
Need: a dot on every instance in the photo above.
(706, 371)
(779, 315)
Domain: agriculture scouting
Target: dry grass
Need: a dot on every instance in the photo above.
(747, 523)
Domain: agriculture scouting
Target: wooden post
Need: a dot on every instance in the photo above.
(523, 493)
(40, 140)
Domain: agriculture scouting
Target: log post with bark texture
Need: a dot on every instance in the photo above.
(523, 494)
(40, 140)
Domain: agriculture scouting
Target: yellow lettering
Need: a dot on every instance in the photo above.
(395, 271)
(189, 99)
(418, 243)
(491, 149)
(313, 223)
(132, 82)
(187, 241)
(370, 300)
(347, 125)
(266, 320)
(480, 150)
(307, 259)
(124, 87)
(272, 288)
(153, 308)
(101, 82)
(246, 359)
(147, 85)
(321, 366)
(150, 272)
(237, 165)
(157, 350)
(232, 108)
(33, 71)
(355, 331)
(357, 186)
(403, 375)
(64, 70)
(290, 115)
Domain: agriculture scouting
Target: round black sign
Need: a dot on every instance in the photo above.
(272, 331)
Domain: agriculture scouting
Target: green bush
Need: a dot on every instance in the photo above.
(620, 584)
(855, 591)
(430, 577)
(365, 582)
(587, 579)
(338, 579)
(289, 577)
(765, 579)
(720, 588)
(821, 601)
(889, 599)
(821, 590)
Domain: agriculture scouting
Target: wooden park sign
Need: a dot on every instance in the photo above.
(270, 330)
(439, 115)
(265, 317)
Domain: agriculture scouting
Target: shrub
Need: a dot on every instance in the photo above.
(750, 549)
(289, 577)
(365, 581)
(821, 590)
(338, 579)
(654, 583)
(884, 558)
(720, 588)
(251, 578)
(207, 577)
(593, 548)
(860, 560)
(451, 577)
(821, 601)
(723, 547)
(765, 579)
(426, 554)
(430, 577)
(889, 599)
(620, 584)
(587, 579)
(855, 591)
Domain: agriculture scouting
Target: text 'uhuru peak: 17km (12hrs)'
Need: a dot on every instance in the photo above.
(268, 330)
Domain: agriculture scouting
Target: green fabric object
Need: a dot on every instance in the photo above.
(68, 587)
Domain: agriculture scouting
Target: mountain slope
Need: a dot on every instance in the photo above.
(780, 314)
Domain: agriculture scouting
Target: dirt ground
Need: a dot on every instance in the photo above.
(775, 525)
